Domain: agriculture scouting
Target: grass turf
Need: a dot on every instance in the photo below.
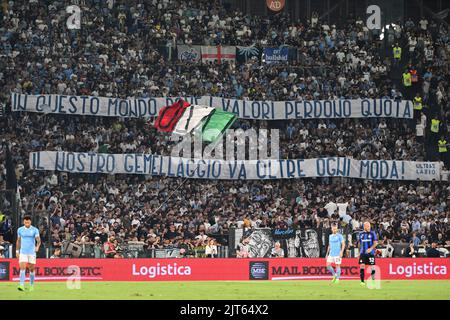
(231, 290)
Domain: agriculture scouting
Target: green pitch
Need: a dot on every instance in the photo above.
(231, 290)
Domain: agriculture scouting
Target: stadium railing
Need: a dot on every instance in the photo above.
(132, 250)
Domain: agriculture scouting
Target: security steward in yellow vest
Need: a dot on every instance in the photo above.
(442, 149)
(407, 84)
(418, 102)
(417, 105)
(442, 143)
(407, 79)
(434, 128)
(397, 51)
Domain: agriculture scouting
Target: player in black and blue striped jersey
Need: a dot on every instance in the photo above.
(368, 241)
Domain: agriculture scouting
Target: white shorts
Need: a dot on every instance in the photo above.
(335, 260)
(28, 258)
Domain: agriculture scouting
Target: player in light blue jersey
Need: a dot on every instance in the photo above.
(28, 243)
(334, 252)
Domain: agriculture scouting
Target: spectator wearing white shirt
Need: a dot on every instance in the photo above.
(420, 132)
(277, 251)
(331, 208)
(211, 249)
(342, 209)
(136, 222)
(423, 24)
(52, 180)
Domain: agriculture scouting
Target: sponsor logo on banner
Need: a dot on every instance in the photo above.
(223, 269)
(259, 270)
(94, 272)
(418, 269)
(4, 271)
(161, 270)
(311, 271)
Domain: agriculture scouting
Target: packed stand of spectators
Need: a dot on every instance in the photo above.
(121, 51)
(186, 214)
(115, 52)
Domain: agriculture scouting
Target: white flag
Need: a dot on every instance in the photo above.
(219, 53)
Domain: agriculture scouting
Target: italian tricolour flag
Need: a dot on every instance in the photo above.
(182, 118)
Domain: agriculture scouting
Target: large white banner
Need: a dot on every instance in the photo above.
(263, 110)
(155, 165)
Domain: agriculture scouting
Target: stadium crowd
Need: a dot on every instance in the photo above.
(128, 49)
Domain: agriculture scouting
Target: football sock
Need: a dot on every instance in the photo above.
(361, 274)
(22, 277)
(373, 273)
(31, 278)
(330, 268)
(338, 272)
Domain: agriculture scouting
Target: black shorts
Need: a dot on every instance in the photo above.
(365, 258)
